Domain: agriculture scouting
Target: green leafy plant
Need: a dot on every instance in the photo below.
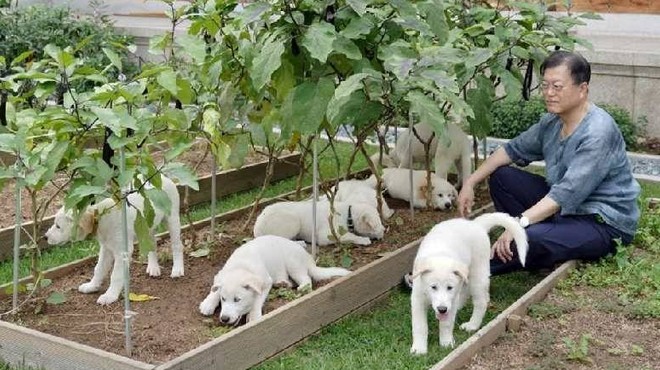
(578, 351)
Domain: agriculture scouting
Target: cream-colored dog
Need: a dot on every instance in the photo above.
(454, 149)
(104, 222)
(361, 191)
(452, 264)
(242, 285)
(397, 183)
(294, 220)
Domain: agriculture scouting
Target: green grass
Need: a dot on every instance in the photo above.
(57, 256)
(381, 337)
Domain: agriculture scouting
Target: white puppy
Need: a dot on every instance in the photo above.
(293, 220)
(397, 183)
(452, 264)
(453, 149)
(243, 283)
(103, 221)
(361, 191)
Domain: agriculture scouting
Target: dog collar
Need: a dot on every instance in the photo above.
(349, 221)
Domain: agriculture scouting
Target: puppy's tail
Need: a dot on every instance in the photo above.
(325, 273)
(490, 220)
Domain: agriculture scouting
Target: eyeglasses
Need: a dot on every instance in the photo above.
(557, 88)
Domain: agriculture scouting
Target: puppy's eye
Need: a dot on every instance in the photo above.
(223, 299)
(434, 287)
(57, 226)
(237, 299)
(450, 287)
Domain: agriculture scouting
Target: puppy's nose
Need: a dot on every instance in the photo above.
(442, 309)
(224, 319)
(447, 205)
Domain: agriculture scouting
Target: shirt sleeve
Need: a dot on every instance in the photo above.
(587, 169)
(528, 146)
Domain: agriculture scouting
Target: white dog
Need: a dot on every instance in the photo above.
(294, 220)
(361, 191)
(243, 283)
(397, 183)
(452, 264)
(454, 149)
(103, 220)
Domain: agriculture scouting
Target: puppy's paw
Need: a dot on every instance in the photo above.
(88, 287)
(362, 241)
(469, 326)
(447, 342)
(107, 298)
(207, 307)
(177, 271)
(418, 350)
(282, 284)
(153, 270)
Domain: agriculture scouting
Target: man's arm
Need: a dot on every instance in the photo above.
(466, 196)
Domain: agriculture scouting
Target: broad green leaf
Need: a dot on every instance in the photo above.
(193, 46)
(135, 297)
(114, 58)
(478, 56)
(318, 40)
(160, 200)
(342, 45)
(56, 298)
(82, 191)
(21, 288)
(252, 12)
(520, 52)
(307, 104)
(181, 174)
(360, 6)
(427, 110)
(435, 18)
(266, 62)
(354, 110)
(177, 149)
(480, 99)
(357, 28)
(53, 51)
(45, 282)
(185, 92)
(143, 234)
(348, 86)
(8, 143)
(167, 79)
(398, 58)
(284, 79)
(512, 85)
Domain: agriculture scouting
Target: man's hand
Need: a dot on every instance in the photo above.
(465, 200)
(502, 247)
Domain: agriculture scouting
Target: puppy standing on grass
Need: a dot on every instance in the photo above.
(104, 221)
(397, 183)
(452, 264)
(243, 283)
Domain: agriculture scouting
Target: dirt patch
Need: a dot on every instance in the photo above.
(171, 325)
(586, 329)
(195, 157)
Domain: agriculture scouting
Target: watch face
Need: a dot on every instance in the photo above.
(524, 221)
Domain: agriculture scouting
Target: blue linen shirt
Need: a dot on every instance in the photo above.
(588, 171)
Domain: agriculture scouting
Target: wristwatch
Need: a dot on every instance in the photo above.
(523, 221)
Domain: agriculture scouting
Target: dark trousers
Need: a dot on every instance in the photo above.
(554, 240)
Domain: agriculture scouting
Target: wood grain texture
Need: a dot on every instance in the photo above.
(22, 346)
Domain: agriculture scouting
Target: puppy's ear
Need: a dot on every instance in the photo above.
(454, 193)
(462, 271)
(215, 288)
(368, 220)
(86, 224)
(252, 283)
(421, 268)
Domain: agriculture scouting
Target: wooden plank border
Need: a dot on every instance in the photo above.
(485, 336)
(27, 347)
(227, 182)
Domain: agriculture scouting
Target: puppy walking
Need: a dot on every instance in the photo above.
(103, 221)
(243, 283)
(452, 264)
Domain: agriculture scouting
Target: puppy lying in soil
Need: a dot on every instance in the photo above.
(452, 264)
(397, 183)
(242, 285)
(361, 191)
(104, 222)
(293, 220)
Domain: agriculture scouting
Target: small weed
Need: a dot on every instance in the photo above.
(542, 344)
(636, 350)
(579, 351)
(544, 310)
(616, 351)
(289, 294)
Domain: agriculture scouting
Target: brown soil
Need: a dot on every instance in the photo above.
(191, 158)
(172, 325)
(550, 338)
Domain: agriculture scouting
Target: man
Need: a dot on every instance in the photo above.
(587, 200)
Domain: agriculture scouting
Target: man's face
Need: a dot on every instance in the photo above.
(560, 92)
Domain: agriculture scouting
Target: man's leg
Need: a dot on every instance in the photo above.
(514, 190)
(561, 239)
